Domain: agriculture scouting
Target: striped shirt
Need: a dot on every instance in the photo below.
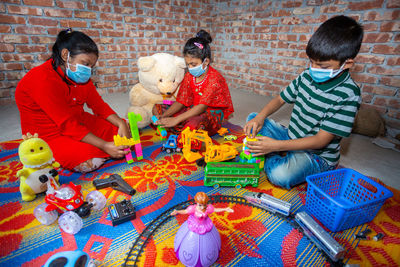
(330, 106)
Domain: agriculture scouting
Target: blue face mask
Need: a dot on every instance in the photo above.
(81, 74)
(323, 75)
(198, 70)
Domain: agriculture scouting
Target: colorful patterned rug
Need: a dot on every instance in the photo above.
(249, 236)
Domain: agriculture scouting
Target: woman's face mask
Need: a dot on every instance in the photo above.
(198, 70)
(81, 74)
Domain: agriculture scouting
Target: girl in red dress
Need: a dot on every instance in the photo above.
(203, 99)
(50, 99)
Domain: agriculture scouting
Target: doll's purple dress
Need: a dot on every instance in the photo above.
(197, 242)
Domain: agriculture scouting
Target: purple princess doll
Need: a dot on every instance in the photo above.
(197, 242)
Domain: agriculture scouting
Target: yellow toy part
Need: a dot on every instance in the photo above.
(37, 158)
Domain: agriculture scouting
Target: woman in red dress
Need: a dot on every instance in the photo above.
(51, 97)
(203, 99)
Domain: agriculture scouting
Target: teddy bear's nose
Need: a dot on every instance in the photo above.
(168, 93)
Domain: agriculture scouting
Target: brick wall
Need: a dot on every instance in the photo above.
(258, 45)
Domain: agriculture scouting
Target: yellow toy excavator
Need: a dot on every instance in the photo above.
(213, 153)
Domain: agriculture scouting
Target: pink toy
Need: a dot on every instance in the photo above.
(197, 242)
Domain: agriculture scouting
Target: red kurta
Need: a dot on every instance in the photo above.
(211, 91)
(53, 109)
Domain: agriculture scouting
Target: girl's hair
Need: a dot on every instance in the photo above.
(201, 198)
(76, 42)
(198, 46)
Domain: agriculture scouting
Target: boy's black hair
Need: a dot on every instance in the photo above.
(76, 42)
(338, 38)
(198, 46)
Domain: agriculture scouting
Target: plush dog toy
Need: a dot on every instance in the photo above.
(159, 78)
(37, 158)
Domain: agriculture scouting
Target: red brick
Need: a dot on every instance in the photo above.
(370, 27)
(377, 37)
(383, 71)
(14, 75)
(291, 3)
(31, 65)
(70, 4)
(43, 21)
(370, 59)
(10, 66)
(10, 38)
(365, 5)
(6, 19)
(106, 85)
(73, 24)
(376, 16)
(378, 90)
(312, 20)
(5, 93)
(111, 16)
(85, 14)
(23, 10)
(384, 49)
(31, 48)
(364, 78)
(287, 37)
(64, 13)
(315, 2)
(7, 48)
(393, 61)
(393, 4)
(42, 40)
(38, 2)
(391, 26)
(17, 57)
(5, 29)
(390, 81)
(102, 24)
(30, 30)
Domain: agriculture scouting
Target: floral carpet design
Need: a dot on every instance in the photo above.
(249, 236)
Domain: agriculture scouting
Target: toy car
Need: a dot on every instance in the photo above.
(171, 145)
(67, 200)
(230, 137)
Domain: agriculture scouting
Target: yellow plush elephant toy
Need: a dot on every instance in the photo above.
(39, 166)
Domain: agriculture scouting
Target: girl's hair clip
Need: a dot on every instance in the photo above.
(199, 45)
(69, 30)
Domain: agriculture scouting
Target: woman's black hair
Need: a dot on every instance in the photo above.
(338, 38)
(198, 46)
(76, 42)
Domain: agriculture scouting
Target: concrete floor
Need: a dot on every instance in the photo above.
(358, 152)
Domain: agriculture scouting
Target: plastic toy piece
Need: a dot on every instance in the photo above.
(378, 237)
(133, 120)
(121, 212)
(116, 182)
(235, 174)
(37, 158)
(363, 234)
(70, 259)
(230, 137)
(268, 202)
(160, 130)
(171, 145)
(222, 131)
(319, 236)
(168, 102)
(197, 242)
(68, 200)
(213, 153)
(246, 156)
(124, 141)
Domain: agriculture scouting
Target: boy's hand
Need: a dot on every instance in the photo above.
(115, 151)
(262, 146)
(168, 122)
(252, 127)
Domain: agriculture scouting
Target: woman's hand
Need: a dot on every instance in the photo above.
(168, 122)
(253, 126)
(262, 146)
(115, 151)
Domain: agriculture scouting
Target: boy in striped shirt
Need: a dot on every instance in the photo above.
(325, 100)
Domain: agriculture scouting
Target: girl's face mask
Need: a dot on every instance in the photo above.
(323, 75)
(198, 70)
(81, 74)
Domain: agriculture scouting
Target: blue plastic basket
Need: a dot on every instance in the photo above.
(344, 198)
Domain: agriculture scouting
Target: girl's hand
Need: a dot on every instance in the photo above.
(174, 212)
(115, 151)
(123, 129)
(168, 122)
(263, 145)
(252, 127)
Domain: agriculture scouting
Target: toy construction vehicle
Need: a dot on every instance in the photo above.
(213, 152)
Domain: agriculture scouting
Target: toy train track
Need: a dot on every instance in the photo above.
(141, 241)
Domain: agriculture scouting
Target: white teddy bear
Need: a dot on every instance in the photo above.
(159, 77)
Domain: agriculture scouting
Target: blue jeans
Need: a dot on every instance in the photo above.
(291, 167)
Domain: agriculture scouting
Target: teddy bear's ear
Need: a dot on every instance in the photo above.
(146, 63)
(180, 62)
